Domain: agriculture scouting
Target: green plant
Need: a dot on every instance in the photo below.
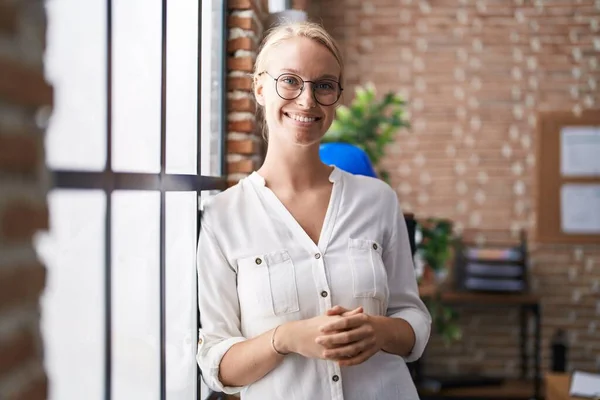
(435, 245)
(444, 320)
(435, 249)
(369, 123)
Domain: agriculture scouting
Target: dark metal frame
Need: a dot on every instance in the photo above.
(109, 181)
(526, 309)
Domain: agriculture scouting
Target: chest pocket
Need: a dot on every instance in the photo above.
(369, 277)
(267, 284)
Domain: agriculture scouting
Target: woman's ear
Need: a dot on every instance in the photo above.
(258, 91)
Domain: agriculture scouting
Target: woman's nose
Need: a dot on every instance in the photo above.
(306, 98)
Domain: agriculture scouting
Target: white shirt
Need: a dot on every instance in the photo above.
(257, 269)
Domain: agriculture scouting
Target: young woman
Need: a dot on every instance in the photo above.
(307, 289)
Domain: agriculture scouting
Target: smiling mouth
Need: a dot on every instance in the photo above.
(301, 118)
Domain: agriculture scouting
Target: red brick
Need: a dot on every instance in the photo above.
(245, 64)
(21, 284)
(246, 126)
(245, 5)
(300, 4)
(243, 104)
(16, 350)
(242, 166)
(35, 390)
(19, 153)
(20, 220)
(242, 43)
(241, 146)
(240, 83)
(240, 4)
(8, 18)
(23, 86)
(247, 23)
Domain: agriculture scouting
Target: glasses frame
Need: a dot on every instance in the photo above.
(304, 82)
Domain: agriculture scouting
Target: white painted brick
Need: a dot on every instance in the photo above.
(240, 116)
(239, 94)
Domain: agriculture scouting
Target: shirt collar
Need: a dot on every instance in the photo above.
(257, 179)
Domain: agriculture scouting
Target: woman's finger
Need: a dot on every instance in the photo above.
(345, 352)
(350, 322)
(341, 338)
(357, 310)
(359, 358)
(339, 310)
(336, 310)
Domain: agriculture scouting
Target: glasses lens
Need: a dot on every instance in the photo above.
(327, 92)
(289, 86)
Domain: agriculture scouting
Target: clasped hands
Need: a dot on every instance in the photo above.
(346, 336)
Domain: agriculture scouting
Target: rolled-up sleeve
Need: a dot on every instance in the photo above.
(219, 309)
(404, 300)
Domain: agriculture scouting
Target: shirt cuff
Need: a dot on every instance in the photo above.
(209, 358)
(421, 325)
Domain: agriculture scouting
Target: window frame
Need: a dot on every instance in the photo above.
(110, 181)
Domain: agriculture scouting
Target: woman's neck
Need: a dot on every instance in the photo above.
(299, 169)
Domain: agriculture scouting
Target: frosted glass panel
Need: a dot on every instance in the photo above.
(72, 318)
(182, 87)
(75, 65)
(136, 85)
(136, 295)
(181, 295)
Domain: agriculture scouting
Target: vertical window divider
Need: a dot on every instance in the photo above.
(108, 184)
(199, 173)
(163, 163)
(223, 86)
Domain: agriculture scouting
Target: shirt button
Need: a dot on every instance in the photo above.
(323, 293)
(318, 255)
(374, 246)
(258, 261)
(335, 378)
(200, 341)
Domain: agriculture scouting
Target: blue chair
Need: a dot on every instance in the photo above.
(347, 157)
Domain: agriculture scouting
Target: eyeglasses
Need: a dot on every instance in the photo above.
(290, 86)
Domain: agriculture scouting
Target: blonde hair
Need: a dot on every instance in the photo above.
(286, 31)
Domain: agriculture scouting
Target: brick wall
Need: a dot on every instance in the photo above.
(301, 4)
(23, 209)
(476, 74)
(244, 141)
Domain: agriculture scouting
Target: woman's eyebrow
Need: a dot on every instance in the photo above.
(326, 76)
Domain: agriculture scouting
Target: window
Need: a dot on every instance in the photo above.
(135, 136)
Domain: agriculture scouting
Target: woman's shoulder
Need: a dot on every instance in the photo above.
(225, 204)
(373, 189)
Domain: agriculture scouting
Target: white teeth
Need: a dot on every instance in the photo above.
(301, 118)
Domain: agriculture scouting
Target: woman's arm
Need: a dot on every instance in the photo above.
(404, 300)
(396, 336)
(247, 362)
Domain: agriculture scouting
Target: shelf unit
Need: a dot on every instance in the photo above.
(529, 306)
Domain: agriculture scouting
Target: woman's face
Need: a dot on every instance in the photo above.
(302, 120)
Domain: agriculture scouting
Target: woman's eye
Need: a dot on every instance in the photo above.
(290, 81)
(325, 86)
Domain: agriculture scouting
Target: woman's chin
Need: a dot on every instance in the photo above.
(307, 139)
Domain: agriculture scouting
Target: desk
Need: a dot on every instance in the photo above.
(528, 304)
(557, 387)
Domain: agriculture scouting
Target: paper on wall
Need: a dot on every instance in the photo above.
(585, 384)
(580, 151)
(580, 208)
